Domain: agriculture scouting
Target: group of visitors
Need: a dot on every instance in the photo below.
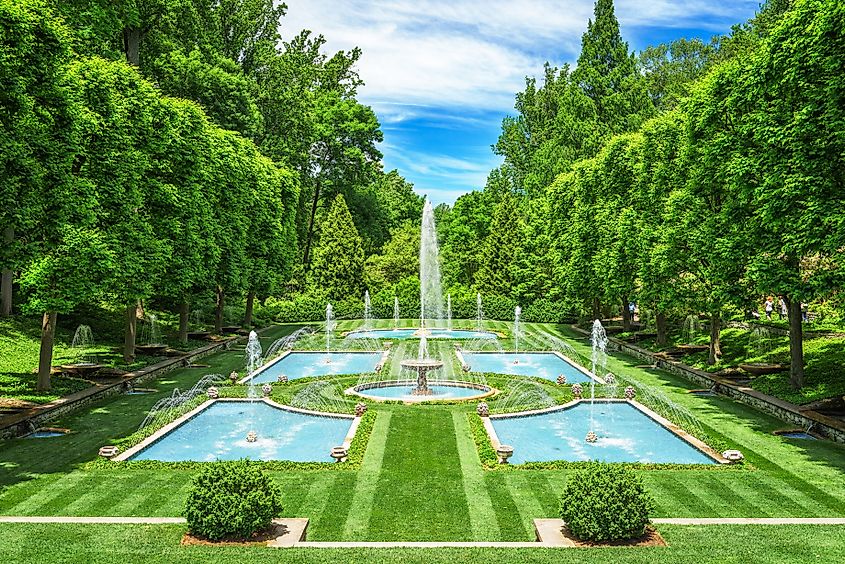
(783, 310)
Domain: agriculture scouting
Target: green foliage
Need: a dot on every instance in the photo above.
(232, 499)
(338, 265)
(605, 502)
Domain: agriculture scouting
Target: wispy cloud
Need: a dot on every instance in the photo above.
(466, 59)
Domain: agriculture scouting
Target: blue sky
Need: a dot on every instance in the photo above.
(441, 75)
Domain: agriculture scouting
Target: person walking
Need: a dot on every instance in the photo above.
(769, 306)
(784, 312)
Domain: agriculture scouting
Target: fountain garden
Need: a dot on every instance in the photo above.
(313, 423)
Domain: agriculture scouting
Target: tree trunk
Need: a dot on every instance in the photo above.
(218, 312)
(309, 237)
(184, 310)
(6, 277)
(661, 328)
(45, 358)
(596, 308)
(129, 333)
(132, 45)
(626, 314)
(250, 302)
(715, 334)
(796, 343)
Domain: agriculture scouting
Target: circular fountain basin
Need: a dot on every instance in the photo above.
(416, 334)
(404, 391)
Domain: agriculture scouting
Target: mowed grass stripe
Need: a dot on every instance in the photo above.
(420, 492)
(162, 498)
(481, 513)
(511, 525)
(12, 498)
(49, 500)
(328, 525)
(528, 505)
(358, 520)
(546, 496)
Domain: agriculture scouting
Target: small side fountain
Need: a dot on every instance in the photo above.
(598, 339)
(761, 339)
(368, 313)
(421, 366)
(395, 312)
(449, 311)
(689, 332)
(329, 331)
(479, 313)
(152, 338)
(517, 313)
(85, 363)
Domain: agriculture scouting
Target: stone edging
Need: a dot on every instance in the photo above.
(824, 425)
(22, 423)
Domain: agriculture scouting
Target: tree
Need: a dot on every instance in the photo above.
(607, 74)
(501, 250)
(399, 259)
(788, 102)
(339, 259)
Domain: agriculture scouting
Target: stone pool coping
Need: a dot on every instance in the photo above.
(659, 419)
(467, 367)
(356, 390)
(266, 366)
(167, 429)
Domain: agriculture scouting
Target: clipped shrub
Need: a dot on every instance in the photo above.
(231, 499)
(605, 502)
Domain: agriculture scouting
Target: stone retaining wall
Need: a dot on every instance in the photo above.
(783, 410)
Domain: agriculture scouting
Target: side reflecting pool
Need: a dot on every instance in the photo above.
(414, 334)
(541, 365)
(219, 432)
(625, 434)
(304, 364)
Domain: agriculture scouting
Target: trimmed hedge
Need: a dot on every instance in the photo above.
(232, 499)
(310, 308)
(605, 502)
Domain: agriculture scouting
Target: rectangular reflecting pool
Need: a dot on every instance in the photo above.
(304, 364)
(219, 432)
(625, 434)
(541, 365)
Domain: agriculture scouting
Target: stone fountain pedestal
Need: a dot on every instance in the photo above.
(422, 368)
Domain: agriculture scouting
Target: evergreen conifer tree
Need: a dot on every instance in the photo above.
(501, 250)
(607, 74)
(338, 266)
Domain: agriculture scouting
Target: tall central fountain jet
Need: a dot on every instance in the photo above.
(431, 292)
(431, 301)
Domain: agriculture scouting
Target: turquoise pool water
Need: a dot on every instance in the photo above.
(542, 365)
(440, 392)
(625, 435)
(412, 334)
(219, 433)
(304, 364)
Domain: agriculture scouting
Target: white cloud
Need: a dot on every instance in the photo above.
(455, 65)
(475, 54)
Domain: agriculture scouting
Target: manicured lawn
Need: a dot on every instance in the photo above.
(421, 479)
(83, 544)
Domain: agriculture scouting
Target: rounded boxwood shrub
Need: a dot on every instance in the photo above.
(231, 499)
(605, 502)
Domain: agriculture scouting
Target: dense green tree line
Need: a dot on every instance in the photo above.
(175, 149)
(693, 178)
